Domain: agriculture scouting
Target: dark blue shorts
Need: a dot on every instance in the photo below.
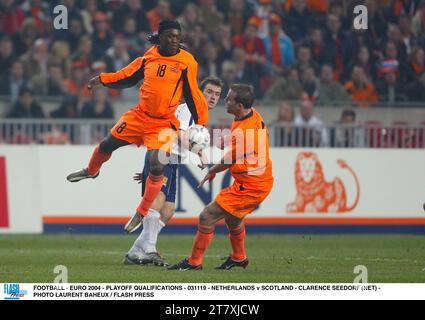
(169, 187)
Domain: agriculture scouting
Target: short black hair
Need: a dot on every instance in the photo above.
(348, 113)
(211, 80)
(24, 90)
(244, 94)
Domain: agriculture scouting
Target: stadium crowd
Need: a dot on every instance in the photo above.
(288, 49)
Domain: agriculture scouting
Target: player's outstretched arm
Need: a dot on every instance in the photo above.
(127, 77)
(93, 82)
(212, 172)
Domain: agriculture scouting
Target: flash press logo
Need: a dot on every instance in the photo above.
(13, 292)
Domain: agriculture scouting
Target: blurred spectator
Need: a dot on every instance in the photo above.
(76, 85)
(130, 9)
(285, 114)
(377, 24)
(190, 17)
(210, 65)
(319, 6)
(210, 16)
(35, 61)
(74, 34)
(60, 55)
(67, 110)
(394, 36)
(418, 21)
(391, 62)
(282, 128)
(73, 10)
(321, 31)
(197, 39)
(224, 41)
(298, 21)
(117, 57)
(335, 42)
(26, 106)
(289, 88)
(320, 53)
(102, 36)
(331, 92)
(346, 135)
(161, 12)
(406, 34)
(98, 107)
(135, 41)
(279, 47)
(304, 59)
(309, 84)
(52, 85)
(253, 47)
(12, 83)
(245, 73)
(228, 75)
(416, 90)
(6, 54)
(311, 131)
(416, 63)
(364, 61)
(360, 88)
(67, 132)
(11, 16)
(83, 56)
(27, 36)
(87, 15)
(390, 89)
(237, 15)
(403, 7)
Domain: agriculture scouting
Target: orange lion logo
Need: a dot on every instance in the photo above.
(314, 194)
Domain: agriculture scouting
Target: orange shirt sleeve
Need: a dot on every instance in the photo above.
(195, 100)
(126, 77)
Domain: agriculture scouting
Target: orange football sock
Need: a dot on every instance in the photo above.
(237, 239)
(201, 242)
(153, 187)
(97, 159)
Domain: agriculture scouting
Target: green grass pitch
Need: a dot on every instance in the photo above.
(273, 259)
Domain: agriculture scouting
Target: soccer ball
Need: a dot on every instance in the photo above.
(199, 138)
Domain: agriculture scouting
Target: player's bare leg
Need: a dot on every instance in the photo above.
(101, 154)
(153, 187)
(237, 235)
(207, 220)
(144, 249)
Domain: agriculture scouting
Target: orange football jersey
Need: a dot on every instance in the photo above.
(249, 152)
(166, 80)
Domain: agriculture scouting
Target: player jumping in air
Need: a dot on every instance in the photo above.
(250, 165)
(144, 249)
(169, 72)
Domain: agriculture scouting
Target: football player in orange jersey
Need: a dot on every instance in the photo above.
(249, 163)
(169, 73)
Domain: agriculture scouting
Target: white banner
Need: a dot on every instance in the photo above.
(212, 291)
(318, 186)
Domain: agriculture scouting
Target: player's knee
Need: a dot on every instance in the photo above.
(110, 144)
(205, 218)
(233, 223)
(156, 169)
(166, 216)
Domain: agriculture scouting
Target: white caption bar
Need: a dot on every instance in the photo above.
(210, 291)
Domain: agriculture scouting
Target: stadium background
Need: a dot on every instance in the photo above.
(315, 69)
